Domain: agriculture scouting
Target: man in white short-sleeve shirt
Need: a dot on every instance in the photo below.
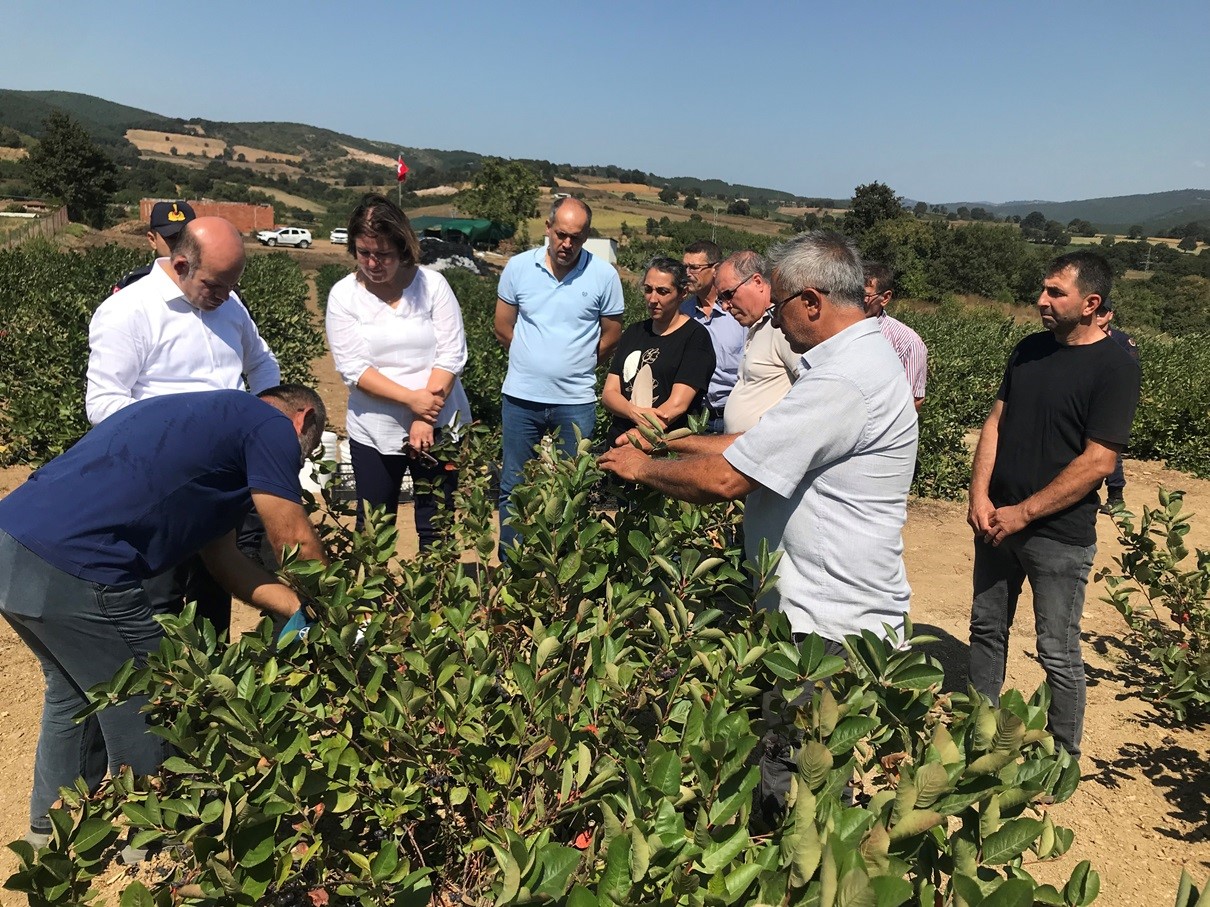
(826, 471)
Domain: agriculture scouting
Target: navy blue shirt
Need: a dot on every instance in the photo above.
(153, 484)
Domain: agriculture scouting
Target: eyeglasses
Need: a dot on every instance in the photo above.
(373, 255)
(658, 291)
(775, 309)
(726, 296)
(875, 294)
(709, 264)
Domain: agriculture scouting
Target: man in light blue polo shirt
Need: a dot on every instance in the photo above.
(559, 314)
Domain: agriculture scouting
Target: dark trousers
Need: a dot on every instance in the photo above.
(778, 750)
(81, 633)
(379, 478)
(1117, 478)
(1058, 576)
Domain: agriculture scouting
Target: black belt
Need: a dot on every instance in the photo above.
(716, 412)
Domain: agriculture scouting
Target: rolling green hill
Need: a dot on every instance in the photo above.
(325, 158)
(1154, 212)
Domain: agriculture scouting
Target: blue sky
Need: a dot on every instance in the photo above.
(944, 101)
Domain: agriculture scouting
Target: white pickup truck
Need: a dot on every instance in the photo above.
(285, 236)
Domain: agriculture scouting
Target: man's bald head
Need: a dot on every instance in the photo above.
(208, 261)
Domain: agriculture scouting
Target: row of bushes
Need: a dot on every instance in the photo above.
(47, 298)
(579, 726)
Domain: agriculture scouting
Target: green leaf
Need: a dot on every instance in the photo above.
(93, 835)
(664, 774)
(254, 844)
(511, 880)
(615, 880)
(1011, 840)
(582, 897)
(719, 855)
(1083, 886)
(137, 895)
(849, 732)
(223, 685)
(1011, 893)
(385, 862)
(640, 855)
(558, 863)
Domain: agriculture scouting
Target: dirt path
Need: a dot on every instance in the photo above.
(1140, 814)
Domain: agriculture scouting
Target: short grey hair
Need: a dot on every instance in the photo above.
(560, 202)
(822, 259)
(294, 398)
(747, 263)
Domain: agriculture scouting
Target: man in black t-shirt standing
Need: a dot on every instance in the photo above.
(1061, 417)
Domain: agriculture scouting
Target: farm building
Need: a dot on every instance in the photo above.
(246, 218)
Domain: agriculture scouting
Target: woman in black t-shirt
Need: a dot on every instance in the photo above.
(670, 347)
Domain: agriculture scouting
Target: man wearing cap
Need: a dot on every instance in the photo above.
(180, 329)
(1115, 485)
(769, 366)
(726, 334)
(168, 219)
(903, 340)
(1061, 416)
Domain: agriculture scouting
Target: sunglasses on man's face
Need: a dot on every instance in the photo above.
(727, 295)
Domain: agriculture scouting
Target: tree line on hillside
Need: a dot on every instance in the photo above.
(934, 255)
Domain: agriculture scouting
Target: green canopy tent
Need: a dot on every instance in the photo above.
(475, 231)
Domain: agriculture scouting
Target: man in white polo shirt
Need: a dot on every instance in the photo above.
(559, 314)
(825, 473)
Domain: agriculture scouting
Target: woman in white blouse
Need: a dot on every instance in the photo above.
(395, 332)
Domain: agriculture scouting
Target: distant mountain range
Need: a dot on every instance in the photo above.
(322, 150)
(1154, 212)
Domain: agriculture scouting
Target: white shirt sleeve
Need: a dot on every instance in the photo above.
(447, 325)
(350, 352)
(116, 355)
(826, 419)
(260, 365)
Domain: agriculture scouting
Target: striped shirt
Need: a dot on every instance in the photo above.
(910, 349)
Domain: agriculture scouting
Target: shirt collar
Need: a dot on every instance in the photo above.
(837, 343)
(580, 265)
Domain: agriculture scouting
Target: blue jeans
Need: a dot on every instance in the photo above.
(81, 633)
(1058, 575)
(523, 424)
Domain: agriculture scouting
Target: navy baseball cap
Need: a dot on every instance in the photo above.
(169, 218)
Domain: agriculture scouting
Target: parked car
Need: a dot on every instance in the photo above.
(340, 235)
(285, 236)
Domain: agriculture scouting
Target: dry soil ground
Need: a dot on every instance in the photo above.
(1140, 814)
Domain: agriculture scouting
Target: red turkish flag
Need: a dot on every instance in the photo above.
(401, 172)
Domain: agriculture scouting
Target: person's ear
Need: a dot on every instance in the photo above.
(180, 265)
